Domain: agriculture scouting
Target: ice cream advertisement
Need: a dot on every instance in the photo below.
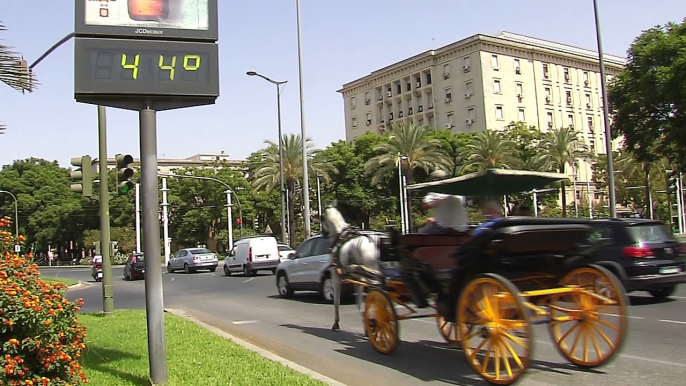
(167, 14)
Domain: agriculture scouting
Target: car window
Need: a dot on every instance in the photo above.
(650, 233)
(284, 248)
(199, 251)
(321, 247)
(305, 249)
(600, 233)
(183, 253)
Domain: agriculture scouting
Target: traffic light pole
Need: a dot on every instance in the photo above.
(154, 301)
(107, 291)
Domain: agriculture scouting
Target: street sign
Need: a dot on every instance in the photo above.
(148, 19)
(122, 72)
(17, 248)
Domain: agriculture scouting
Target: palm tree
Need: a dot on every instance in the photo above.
(564, 146)
(410, 142)
(12, 69)
(266, 175)
(490, 149)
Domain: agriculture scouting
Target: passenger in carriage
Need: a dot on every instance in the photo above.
(493, 211)
(449, 212)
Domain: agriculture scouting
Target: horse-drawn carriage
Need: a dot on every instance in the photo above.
(486, 291)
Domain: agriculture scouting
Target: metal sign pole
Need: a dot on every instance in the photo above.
(105, 245)
(154, 301)
(138, 218)
(165, 219)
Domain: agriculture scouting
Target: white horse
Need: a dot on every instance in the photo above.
(353, 253)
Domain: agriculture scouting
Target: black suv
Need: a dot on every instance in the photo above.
(643, 254)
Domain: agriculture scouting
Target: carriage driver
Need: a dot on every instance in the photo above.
(449, 212)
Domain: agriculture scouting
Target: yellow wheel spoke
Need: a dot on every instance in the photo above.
(487, 358)
(594, 340)
(576, 342)
(516, 340)
(473, 354)
(506, 359)
(514, 355)
(585, 343)
(496, 352)
(605, 337)
(608, 324)
(566, 334)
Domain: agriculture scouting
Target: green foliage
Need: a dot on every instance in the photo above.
(41, 338)
(648, 98)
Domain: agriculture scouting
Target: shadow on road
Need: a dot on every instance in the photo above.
(637, 300)
(312, 298)
(424, 360)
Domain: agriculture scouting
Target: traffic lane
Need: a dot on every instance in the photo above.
(308, 340)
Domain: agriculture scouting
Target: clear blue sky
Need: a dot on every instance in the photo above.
(342, 41)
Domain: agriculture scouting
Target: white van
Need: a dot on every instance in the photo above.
(252, 254)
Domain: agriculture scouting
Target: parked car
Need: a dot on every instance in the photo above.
(284, 251)
(191, 259)
(308, 270)
(643, 254)
(252, 254)
(135, 267)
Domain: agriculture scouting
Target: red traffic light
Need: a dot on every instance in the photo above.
(238, 221)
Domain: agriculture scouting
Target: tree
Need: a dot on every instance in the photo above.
(491, 149)
(12, 72)
(648, 98)
(455, 146)
(407, 140)
(564, 146)
(265, 172)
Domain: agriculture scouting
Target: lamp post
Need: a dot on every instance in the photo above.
(16, 211)
(403, 205)
(278, 114)
(608, 133)
(306, 182)
(319, 202)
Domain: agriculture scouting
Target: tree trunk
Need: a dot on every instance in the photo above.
(563, 185)
(291, 216)
(649, 198)
(408, 200)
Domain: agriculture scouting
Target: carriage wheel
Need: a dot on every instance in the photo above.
(495, 332)
(448, 330)
(381, 321)
(586, 330)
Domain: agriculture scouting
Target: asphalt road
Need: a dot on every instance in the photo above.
(299, 330)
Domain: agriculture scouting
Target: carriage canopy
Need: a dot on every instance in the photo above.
(491, 182)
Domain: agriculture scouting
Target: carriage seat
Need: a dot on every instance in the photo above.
(435, 250)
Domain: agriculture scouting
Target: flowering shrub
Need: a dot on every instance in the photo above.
(41, 338)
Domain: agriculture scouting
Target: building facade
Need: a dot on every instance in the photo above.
(484, 83)
(168, 165)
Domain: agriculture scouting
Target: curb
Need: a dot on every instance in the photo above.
(252, 347)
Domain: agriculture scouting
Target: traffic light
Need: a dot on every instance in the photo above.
(114, 248)
(83, 174)
(671, 181)
(124, 173)
(257, 223)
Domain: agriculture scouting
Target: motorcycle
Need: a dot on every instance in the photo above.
(97, 273)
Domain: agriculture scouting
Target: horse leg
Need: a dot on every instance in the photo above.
(336, 283)
(359, 292)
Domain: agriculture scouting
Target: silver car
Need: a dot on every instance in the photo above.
(191, 259)
(308, 270)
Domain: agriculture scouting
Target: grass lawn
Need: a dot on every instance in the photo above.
(117, 354)
(63, 280)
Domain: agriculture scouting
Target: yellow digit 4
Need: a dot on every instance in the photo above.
(134, 66)
(170, 67)
(191, 67)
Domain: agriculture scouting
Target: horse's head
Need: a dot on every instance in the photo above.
(332, 221)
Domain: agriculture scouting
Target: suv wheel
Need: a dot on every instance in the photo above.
(663, 293)
(285, 290)
(226, 271)
(247, 271)
(327, 289)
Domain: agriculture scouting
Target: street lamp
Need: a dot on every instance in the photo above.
(278, 113)
(608, 134)
(404, 221)
(306, 182)
(16, 211)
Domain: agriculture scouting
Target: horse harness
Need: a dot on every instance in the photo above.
(348, 233)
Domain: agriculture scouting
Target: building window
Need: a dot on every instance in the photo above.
(549, 115)
(353, 102)
(568, 94)
(568, 77)
(450, 119)
(468, 89)
(409, 86)
(522, 117)
(588, 101)
(471, 114)
(448, 94)
(354, 122)
(570, 120)
(519, 89)
(428, 78)
(546, 73)
(499, 113)
(586, 79)
(591, 146)
(400, 109)
(496, 86)
(369, 119)
(467, 63)
(589, 122)
(399, 88)
(418, 81)
(446, 71)
(367, 100)
(380, 115)
(548, 95)
(494, 62)
(518, 69)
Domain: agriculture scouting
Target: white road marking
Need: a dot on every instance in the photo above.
(653, 360)
(679, 297)
(672, 321)
(251, 279)
(244, 322)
